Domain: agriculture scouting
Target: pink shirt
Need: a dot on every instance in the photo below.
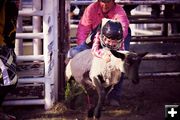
(92, 17)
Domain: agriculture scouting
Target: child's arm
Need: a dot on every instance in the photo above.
(97, 51)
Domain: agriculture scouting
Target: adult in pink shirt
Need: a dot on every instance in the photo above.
(87, 30)
(90, 20)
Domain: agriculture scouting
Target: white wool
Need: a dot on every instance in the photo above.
(85, 61)
(80, 64)
(110, 71)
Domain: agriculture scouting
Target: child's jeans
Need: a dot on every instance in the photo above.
(116, 92)
(75, 50)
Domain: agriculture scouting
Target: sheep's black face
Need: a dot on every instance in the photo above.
(132, 63)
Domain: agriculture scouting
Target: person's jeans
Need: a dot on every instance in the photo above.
(75, 50)
(116, 92)
(127, 40)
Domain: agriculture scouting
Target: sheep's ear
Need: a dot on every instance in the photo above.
(142, 54)
(117, 54)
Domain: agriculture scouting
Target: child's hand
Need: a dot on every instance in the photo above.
(107, 57)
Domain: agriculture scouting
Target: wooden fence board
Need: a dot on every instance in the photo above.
(27, 91)
(160, 65)
(30, 69)
(156, 47)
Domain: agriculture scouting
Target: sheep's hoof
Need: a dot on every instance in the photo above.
(95, 118)
(97, 115)
(135, 82)
(91, 112)
(91, 118)
(114, 102)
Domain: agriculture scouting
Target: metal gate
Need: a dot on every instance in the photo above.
(37, 54)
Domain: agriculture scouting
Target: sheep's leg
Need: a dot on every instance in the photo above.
(89, 91)
(87, 84)
(101, 97)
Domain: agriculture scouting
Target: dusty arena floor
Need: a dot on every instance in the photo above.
(145, 101)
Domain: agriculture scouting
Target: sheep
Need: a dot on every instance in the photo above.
(89, 70)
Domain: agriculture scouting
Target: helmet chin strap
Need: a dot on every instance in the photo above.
(104, 21)
(117, 47)
(101, 41)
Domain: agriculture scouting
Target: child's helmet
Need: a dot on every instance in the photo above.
(112, 30)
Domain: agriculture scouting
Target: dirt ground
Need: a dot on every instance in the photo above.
(144, 101)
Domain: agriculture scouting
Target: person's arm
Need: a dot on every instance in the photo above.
(84, 27)
(96, 51)
(122, 17)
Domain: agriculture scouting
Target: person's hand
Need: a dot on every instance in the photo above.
(107, 57)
